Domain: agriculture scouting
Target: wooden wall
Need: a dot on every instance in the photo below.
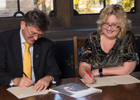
(65, 25)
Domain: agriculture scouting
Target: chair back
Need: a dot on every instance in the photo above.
(77, 43)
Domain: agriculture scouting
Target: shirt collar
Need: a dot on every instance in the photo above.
(21, 37)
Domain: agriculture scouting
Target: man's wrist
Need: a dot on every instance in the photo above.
(11, 83)
(52, 79)
(14, 81)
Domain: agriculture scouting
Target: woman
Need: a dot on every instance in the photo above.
(112, 49)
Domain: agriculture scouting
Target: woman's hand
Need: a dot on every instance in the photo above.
(95, 72)
(84, 69)
(88, 79)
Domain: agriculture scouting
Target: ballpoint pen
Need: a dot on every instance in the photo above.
(27, 77)
(89, 74)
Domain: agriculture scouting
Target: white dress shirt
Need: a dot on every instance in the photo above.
(31, 51)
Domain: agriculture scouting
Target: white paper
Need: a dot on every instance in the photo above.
(22, 92)
(123, 79)
(113, 80)
(86, 92)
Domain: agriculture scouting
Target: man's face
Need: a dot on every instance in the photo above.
(30, 33)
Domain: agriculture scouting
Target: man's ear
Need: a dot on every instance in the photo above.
(22, 25)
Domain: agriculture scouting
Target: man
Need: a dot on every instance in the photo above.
(43, 68)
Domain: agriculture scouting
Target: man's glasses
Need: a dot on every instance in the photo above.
(34, 34)
(113, 26)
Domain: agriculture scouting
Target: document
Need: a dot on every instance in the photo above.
(123, 79)
(22, 92)
(113, 80)
(71, 89)
(76, 90)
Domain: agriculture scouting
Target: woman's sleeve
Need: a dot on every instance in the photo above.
(86, 54)
(131, 49)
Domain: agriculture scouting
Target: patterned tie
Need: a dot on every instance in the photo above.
(27, 60)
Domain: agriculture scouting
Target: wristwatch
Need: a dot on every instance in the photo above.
(53, 82)
(100, 71)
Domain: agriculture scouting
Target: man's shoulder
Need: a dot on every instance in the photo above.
(44, 40)
(8, 32)
(11, 30)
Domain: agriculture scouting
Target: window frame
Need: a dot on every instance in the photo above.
(22, 13)
(104, 5)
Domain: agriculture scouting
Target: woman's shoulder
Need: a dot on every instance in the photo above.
(93, 35)
(129, 34)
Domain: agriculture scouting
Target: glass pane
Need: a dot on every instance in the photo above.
(88, 6)
(45, 5)
(9, 7)
(126, 4)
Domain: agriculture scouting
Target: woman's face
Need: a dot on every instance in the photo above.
(111, 28)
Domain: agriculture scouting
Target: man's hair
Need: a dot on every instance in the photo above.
(117, 10)
(37, 18)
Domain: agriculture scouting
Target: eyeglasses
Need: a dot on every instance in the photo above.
(34, 34)
(113, 26)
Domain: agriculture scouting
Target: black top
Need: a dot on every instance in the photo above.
(124, 50)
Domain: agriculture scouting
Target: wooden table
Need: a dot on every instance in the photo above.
(120, 92)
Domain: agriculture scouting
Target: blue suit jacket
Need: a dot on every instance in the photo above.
(11, 65)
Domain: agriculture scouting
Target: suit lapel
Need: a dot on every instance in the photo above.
(16, 44)
(36, 57)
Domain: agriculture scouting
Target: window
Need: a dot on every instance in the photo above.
(14, 8)
(95, 6)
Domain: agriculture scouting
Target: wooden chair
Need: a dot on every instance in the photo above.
(77, 43)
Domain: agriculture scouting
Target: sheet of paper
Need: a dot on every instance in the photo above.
(86, 92)
(113, 80)
(123, 79)
(20, 92)
(101, 82)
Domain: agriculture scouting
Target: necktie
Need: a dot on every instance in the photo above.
(27, 60)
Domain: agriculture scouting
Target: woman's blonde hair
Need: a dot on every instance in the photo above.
(123, 22)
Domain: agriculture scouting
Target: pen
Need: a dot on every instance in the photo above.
(88, 74)
(27, 77)
(25, 74)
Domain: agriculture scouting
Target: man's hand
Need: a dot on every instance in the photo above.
(42, 84)
(22, 82)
